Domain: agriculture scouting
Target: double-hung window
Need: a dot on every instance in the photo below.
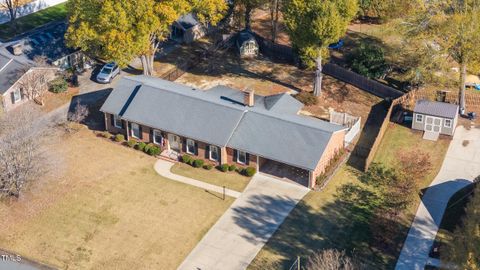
(135, 130)
(157, 137)
(117, 121)
(17, 96)
(214, 153)
(241, 157)
(448, 123)
(419, 118)
(191, 146)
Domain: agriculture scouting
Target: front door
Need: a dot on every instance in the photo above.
(174, 142)
(433, 124)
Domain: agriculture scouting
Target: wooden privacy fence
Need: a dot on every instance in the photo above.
(362, 82)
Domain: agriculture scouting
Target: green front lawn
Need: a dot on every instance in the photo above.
(231, 180)
(337, 217)
(31, 21)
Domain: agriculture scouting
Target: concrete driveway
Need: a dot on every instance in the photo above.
(460, 167)
(237, 237)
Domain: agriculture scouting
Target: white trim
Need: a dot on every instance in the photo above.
(210, 152)
(154, 136)
(115, 118)
(132, 130)
(238, 157)
(188, 150)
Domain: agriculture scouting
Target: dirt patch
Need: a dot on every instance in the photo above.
(261, 25)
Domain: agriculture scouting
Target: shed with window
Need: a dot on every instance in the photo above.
(435, 117)
(247, 44)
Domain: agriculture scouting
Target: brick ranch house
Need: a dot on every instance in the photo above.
(225, 126)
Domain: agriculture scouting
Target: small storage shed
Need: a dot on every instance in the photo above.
(435, 117)
(187, 29)
(247, 44)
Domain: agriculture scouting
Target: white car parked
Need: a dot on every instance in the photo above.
(108, 72)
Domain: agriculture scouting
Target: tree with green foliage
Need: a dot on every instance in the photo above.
(450, 27)
(386, 9)
(315, 24)
(368, 60)
(464, 249)
(120, 30)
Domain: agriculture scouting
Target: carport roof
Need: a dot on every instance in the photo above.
(434, 108)
(270, 129)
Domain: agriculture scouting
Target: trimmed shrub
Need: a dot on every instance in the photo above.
(140, 146)
(153, 150)
(208, 166)
(186, 158)
(58, 85)
(119, 138)
(232, 167)
(368, 60)
(131, 143)
(105, 135)
(223, 167)
(249, 171)
(307, 98)
(198, 163)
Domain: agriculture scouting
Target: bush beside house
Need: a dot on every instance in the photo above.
(58, 85)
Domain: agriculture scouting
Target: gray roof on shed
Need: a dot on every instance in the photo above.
(10, 71)
(271, 128)
(187, 21)
(434, 108)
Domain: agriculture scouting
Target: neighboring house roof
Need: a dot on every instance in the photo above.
(10, 71)
(271, 128)
(434, 108)
(244, 36)
(187, 21)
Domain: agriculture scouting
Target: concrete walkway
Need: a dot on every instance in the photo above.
(163, 167)
(242, 231)
(460, 167)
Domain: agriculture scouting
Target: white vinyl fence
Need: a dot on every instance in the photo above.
(353, 124)
(29, 8)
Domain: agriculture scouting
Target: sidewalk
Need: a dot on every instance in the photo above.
(163, 167)
(460, 167)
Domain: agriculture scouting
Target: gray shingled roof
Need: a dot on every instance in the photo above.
(10, 71)
(187, 21)
(270, 129)
(434, 108)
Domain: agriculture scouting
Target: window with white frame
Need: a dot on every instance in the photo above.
(135, 130)
(419, 118)
(157, 137)
(448, 123)
(214, 152)
(191, 146)
(241, 157)
(17, 96)
(117, 121)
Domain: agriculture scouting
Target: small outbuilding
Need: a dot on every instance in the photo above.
(247, 44)
(187, 29)
(435, 117)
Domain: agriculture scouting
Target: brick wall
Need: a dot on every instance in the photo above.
(231, 159)
(334, 146)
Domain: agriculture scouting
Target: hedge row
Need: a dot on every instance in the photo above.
(198, 163)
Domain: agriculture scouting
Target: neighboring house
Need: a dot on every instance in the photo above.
(225, 126)
(187, 29)
(12, 72)
(247, 44)
(49, 43)
(435, 117)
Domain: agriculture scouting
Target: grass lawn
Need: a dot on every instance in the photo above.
(231, 180)
(31, 21)
(106, 208)
(333, 218)
(56, 100)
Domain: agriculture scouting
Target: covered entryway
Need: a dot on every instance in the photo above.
(284, 171)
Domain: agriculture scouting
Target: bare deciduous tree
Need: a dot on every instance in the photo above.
(34, 83)
(12, 7)
(79, 114)
(21, 157)
(331, 259)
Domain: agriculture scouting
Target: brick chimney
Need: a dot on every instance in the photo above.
(249, 97)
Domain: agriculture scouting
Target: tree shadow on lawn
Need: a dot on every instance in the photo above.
(343, 224)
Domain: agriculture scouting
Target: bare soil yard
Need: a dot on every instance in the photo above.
(105, 196)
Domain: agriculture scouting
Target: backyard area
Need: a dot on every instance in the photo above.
(336, 216)
(231, 180)
(104, 195)
(31, 21)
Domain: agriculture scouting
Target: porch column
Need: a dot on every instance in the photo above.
(258, 164)
(223, 155)
(106, 121)
(128, 130)
(310, 179)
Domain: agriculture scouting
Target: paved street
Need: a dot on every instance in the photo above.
(242, 231)
(460, 167)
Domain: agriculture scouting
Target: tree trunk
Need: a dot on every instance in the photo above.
(461, 95)
(12, 14)
(317, 85)
(274, 12)
(248, 14)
